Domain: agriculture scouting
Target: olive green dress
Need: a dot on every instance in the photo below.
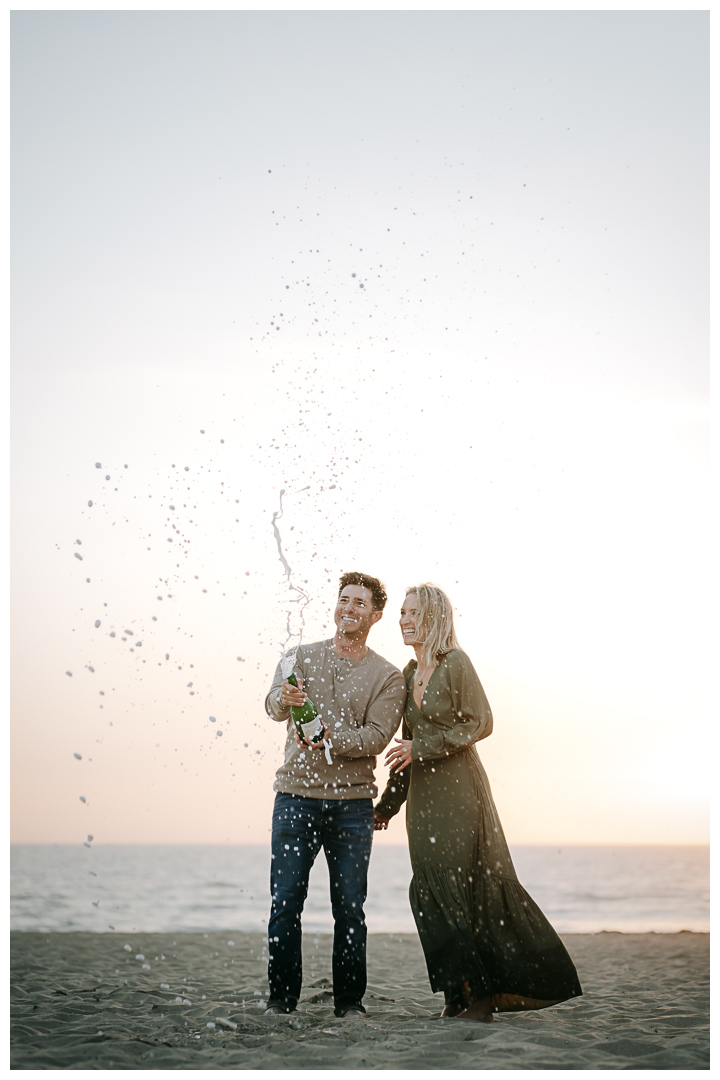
(476, 922)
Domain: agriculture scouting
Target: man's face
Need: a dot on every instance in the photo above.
(354, 611)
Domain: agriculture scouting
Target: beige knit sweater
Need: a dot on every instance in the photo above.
(361, 701)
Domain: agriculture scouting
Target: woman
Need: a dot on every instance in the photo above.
(487, 945)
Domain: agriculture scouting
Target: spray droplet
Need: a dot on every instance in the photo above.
(218, 733)
(83, 799)
(78, 756)
(97, 622)
(89, 502)
(98, 465)
(107, 477)
(78, 556)
(69, 673)
(212, 719)
(90, 837)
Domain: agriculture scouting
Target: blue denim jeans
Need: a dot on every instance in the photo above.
(300, 827)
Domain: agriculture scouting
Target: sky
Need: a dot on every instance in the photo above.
(441, 278)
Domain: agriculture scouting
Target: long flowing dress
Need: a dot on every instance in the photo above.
(476, 922)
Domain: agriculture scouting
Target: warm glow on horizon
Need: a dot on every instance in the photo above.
(472, 353)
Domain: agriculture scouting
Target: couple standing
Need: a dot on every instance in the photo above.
(487, 945)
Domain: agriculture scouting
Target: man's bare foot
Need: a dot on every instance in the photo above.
(452, 1009)
(479, 1010)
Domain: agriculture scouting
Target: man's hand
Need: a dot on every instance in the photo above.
(400, 756)
(380, 822)
(292, 696)
(308, 742)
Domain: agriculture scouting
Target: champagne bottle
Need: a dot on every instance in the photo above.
(306, 718)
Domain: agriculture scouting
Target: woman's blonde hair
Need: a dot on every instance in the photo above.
(434, 621)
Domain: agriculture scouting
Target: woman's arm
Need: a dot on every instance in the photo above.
(395, 792)
(471, 720)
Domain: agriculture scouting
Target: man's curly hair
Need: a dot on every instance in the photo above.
(376, 587)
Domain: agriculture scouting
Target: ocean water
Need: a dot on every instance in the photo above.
(172, 888)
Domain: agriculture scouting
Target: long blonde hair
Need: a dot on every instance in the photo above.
(434, 621)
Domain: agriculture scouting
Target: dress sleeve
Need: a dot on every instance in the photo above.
(465, 720)
(396, 789)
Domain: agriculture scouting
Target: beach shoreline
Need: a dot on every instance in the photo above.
(82, 1000)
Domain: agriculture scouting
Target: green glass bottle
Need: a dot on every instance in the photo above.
(306, 718)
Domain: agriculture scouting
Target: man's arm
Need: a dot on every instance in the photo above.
(273, 705)
(382, 720)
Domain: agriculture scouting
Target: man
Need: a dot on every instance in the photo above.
(328, 803)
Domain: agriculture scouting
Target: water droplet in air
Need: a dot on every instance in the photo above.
(107, 477)
(97, 622)
(78, 556)
(89, 502)
(83, 799)
(78, 756)
(167, 655)
(187, 468)
(112, 633)
(211, 719)
(98, 465)
(138, 643)
(90, 838)
(69, 673)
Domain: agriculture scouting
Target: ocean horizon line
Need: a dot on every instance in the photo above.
(385, 843)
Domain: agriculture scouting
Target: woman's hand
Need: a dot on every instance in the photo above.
(400, 756)
(380, 822)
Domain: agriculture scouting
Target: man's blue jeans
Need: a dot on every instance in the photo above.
(300, 827)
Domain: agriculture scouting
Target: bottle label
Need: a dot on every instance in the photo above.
(312, 728)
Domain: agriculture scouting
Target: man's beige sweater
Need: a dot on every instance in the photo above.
(361, 701)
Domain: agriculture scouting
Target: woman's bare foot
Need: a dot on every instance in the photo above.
(479, 1010)
(452, 1009)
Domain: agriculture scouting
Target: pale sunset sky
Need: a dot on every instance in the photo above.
(442, 277)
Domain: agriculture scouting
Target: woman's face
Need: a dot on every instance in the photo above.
(408, 628)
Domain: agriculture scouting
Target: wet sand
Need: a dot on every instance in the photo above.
(81, 1001)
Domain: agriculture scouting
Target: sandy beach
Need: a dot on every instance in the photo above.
(83, 1001)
